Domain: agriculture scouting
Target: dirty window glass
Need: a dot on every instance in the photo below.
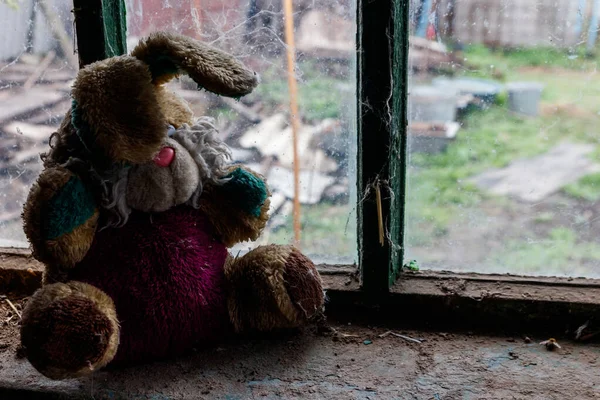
(37, 65)
(257, 127)
(504, 170)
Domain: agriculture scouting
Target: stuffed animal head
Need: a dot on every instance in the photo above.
(137, 142)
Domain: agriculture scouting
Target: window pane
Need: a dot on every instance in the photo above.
(257, 127)
(504, 171)
(36, 70)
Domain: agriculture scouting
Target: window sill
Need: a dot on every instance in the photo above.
(21, 274)
(478, 302)
(445, 301)
(354, 362)
(440, 300)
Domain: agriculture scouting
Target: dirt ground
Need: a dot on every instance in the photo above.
(343, 361)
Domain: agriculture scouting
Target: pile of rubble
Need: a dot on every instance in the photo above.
(34, 95)
(267, 149)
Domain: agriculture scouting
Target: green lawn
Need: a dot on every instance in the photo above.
(560, 253)
(320, 95)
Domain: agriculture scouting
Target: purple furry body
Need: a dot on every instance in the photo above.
(165, 274)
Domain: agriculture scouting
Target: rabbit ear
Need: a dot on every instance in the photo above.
(115, 110)
(167, 55)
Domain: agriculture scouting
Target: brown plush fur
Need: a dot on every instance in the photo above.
(212, 69)
(70, 329)
(68, 249)
(129, 109)
(72, 324)
(117, 98)
(259, 297)
(303, 284)
(41, 192)
(232, 224)
(63, 144)
(175, 109)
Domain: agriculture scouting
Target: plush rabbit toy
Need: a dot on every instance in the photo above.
(133, 214)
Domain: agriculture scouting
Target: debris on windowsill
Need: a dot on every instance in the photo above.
(486, 294)
(579, 333)
(412, 265)
(584, 333)
(12, 306)
(551, 344)
(337, 335)
(407, 338)
(11, 314)
(354, 277)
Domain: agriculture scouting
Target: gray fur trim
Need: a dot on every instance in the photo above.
(201, 140)
(208, 151)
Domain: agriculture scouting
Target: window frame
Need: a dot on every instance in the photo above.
(461, 300)
(382, 95)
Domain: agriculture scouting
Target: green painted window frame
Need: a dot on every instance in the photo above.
(382, 54)
(382, 51)
(100, 28)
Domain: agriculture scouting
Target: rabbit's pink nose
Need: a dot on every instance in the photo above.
(165, 157)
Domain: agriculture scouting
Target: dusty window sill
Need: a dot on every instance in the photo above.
(442, 300)
(356, 361)
(425, 301)
(473, 302)
(21, 274)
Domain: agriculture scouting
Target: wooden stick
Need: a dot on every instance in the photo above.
(292, 84)
(379, 214)
(13, 307)
(408, 338)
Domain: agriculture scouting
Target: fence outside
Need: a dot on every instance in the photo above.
(511, 23)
